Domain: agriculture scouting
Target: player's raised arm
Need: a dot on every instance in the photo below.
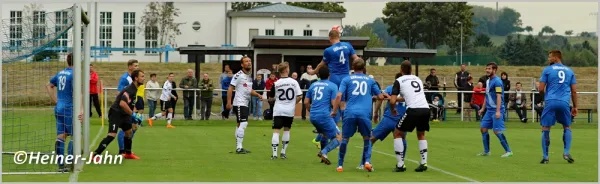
(321, 64)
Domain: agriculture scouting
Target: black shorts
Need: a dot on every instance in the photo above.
(282, 121)
(241, 113)
(165, 105)
(117, 120)
(418, 118)
(139, 104)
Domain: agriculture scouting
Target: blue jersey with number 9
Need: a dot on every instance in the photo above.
(558, 79)
(64, 84)
(338, 57)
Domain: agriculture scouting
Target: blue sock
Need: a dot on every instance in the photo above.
(318, 138)
(567, 140)
(367, 151)
(331, 146)
(545, 142)
(324, 143)
(485, 136)
(121, 141)
(70, 151)
(59, 148)
(342, 152)
(503, 141)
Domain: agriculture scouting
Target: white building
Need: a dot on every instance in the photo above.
(117, 25)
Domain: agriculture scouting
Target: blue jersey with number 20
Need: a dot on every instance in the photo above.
(358, 91)
(338, 57)
(321, 93)
(558, 79)
(64, 84)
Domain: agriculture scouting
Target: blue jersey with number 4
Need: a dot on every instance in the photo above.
(63, 81)
(338, 57)
(358, 91)
(321, 93)
(558, 79)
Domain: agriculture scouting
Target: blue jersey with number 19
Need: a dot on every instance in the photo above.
(358, 91)
(63, 81)
(321, 93)
(558, 79)
(338, 57)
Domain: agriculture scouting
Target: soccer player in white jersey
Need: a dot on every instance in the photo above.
(287, 94)
(242, 82)
(410, 87)
(165, 102)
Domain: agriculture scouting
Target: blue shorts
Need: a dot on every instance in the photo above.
(64, 124)
(337, 79)
(489, 121)
(384, 128)
(325, 125)
(351, 124)
(554, 111)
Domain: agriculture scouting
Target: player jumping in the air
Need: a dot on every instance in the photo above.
(357, 91)
(389, 121)
(410, 87)
(121, 115)
(494, 107)
(558, 83)
(166, 104)
(337, 58)
(287, 94)
(63, 111)
(242, 82)
(319, 100)
(125, 81)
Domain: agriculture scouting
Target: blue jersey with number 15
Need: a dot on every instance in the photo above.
(338, 57)
(64, 84)
(321, 93)
(358, 91)
(558, 79)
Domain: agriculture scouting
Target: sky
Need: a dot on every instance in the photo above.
(561, 16)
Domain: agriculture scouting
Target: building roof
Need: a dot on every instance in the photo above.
(191, 49)
(284, 10)
(303, 42)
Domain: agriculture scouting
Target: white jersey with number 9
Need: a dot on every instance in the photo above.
(411, 88)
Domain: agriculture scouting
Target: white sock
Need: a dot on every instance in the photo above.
(423, 151)
(285, 140)
(169, 117)
(399, 149)
(275, 143)
(156, 116)
(240, 134)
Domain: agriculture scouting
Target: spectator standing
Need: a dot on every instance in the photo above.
(477, 99)
(259, 86)
(272, 79)
(433, 84)
(94, 92)
(468, 97)
(518, 101)
(225, 86)
(224, 75)
(460, 81)
(306, 80)
(506, 83)
(206, 87)
(153, 94)
(483, 79)
(188, 83)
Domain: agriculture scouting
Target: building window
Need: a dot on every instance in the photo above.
(106, 30)
(307, 33)
(151, 34)
(269, 32)
(288, 32)
(39, 27)
(62, 21)
(129, 31)
(16, 30)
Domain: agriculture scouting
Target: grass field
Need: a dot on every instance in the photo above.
(202, 151)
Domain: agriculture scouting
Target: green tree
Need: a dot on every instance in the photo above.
(586, 45)
(321, 6)
(366, 31)
(511, 50)
(569, 32)
(546, 29)
(483, 40)
(529, 29)
(431, 23)
(533, 52)
(241, 6)
(481, 25)
(508, 22)
(158, 22)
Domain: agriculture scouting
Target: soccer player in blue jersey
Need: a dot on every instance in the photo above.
(63, 111)
(319, 100)
(389, 121)
(558, 83)
(494, 106)
(125, 81)
(357, 92)
(336, 58)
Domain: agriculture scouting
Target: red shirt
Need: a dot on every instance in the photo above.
(478, 96)
(270, 83)
(93, 83)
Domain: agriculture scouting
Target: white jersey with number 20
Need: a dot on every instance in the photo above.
(286, 91)
(411, 88)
